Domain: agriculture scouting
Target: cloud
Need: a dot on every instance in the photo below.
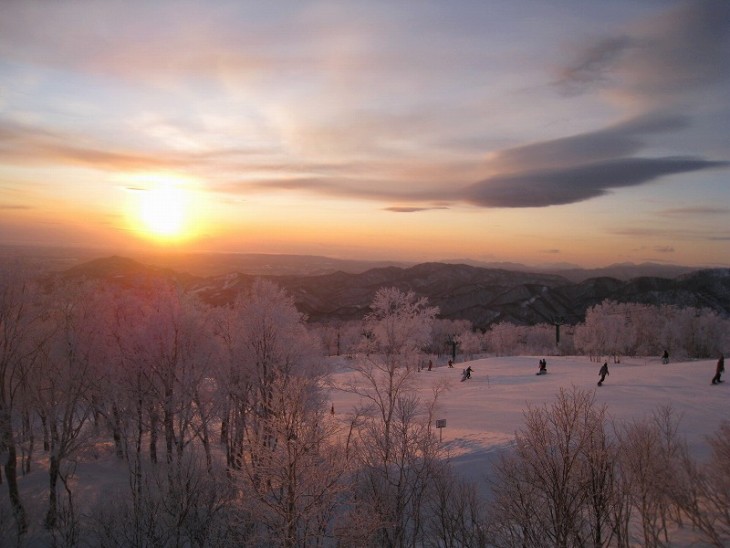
(660, 61)
(580, 167)
(22, 144)
(614, 141)
(675, 233)
(592, 65)
(572, 184)
(692, 211)
(403, 209)
(686, 48)
(664, 249)
(362, 110)
(14, 207)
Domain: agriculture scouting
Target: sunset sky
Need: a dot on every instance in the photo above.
(541, 131)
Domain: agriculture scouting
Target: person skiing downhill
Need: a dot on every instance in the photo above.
(467, 373)
(603, 372)
(719, 370)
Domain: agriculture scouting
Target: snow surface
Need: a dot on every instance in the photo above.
(483, 413)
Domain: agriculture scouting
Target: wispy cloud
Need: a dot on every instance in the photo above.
(14, 206)
(660, 61)
(671, 233)
(404, 209)
(593, 65)
(694, 211)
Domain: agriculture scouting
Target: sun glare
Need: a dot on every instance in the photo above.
(163, 210)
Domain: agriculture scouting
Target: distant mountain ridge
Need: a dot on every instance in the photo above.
(482, 295)
(269, 264)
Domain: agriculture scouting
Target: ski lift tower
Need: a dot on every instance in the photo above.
(557, 322)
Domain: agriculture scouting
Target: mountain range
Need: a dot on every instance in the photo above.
(482, 295)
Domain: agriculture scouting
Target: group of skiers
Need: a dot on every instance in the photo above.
(719, 369)
(603, 372)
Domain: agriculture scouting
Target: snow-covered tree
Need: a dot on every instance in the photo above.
(444, 335)
(468, 343)
(393, 445)
(704, 493)
(63, 393)
(278, 425)
(502, 338)
(556, 488)
(22, 336)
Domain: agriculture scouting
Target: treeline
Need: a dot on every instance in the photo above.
(610, 329)
(220, 421)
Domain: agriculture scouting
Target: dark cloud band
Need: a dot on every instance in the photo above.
(575, 184)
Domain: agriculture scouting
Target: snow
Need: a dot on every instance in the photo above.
(483, 413)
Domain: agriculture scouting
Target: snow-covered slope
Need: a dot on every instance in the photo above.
(483, 413)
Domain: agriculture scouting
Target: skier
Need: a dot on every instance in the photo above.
(603, 372)
(665, 357)
(719, 370)
(543, 367)
(466, 374)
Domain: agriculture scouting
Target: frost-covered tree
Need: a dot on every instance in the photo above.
(469, 343)
(502, 338)
(638, 329)
(338, 338)
(556, 488)
(607, 330)
(649, 469)
(63, 393)
(444, 335)
(279, 430)
(393, 445)
(22, 335)
(706, 495)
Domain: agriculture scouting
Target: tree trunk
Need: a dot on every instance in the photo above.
(11, 474)
(117, 432)
(52, 515)
(153, 436)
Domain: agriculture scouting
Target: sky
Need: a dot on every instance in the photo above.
(536, 131)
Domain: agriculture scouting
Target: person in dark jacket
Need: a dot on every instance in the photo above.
(719, 370)
(665, 357)
(466, 374)
(603, 372)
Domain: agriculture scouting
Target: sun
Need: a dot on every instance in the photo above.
(162, 209)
